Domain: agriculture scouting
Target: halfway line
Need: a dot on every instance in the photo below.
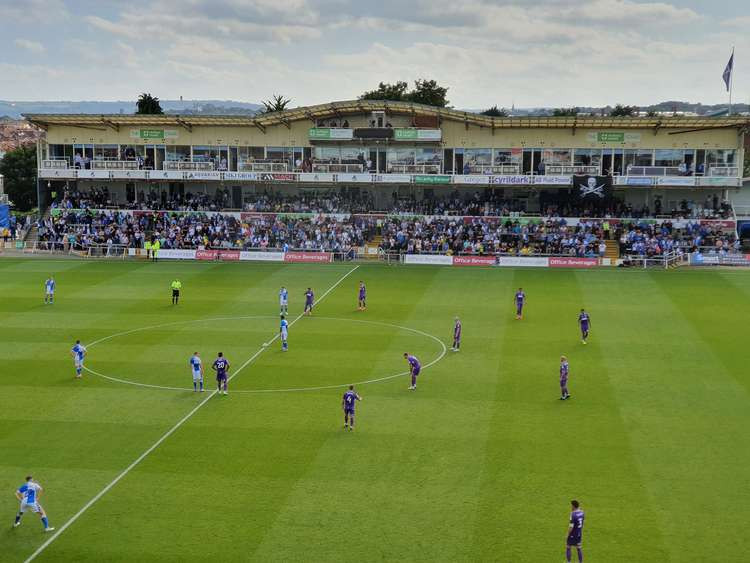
(169, 432)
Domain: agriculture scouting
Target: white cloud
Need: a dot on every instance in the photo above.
(31, 46)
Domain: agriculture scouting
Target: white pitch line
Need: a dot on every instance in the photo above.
(156, 444)
(283, 390)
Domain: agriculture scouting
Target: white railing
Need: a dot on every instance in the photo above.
(55, 164)
(180, 165)
(346, 168)
(566, 170)
(414, 168)
(495, 169)
(114, 165)
(654, 171)
(727, 171)
(264, 166)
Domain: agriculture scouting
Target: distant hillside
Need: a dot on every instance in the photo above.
(214, 107)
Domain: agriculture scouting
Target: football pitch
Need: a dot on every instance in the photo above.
(479, 463)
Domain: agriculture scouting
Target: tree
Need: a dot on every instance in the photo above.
(276, 103)
(19, 169)
(386, 91)
(624, 111)
(428, 92)
(651, 113)
(148, 105)
(495, 112)
(565, 112)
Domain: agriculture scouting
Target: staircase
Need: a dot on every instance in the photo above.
(613, 251)
(371, 248)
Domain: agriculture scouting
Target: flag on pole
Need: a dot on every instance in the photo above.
(727, 76)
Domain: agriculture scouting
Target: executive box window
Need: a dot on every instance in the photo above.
(180, 153)
(429, 156)
(672, 157)
(280, 153)
(587, 157)
(251, 153)
(401, 156)
(478, 157)
(638, 157)
(557, 157)
(507, 156)
(106, 152)
(721, 157)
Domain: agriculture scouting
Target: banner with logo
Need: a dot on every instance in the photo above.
(94, 174)
(471, 179)
(316, 177)
(203, 175)
(246, 176)
(639, 181)
(354, 178)
(523, 261)
(412, 134)
(308, 257)
(512, 180)
(65, 174)
(130, 174)
(225, 255)
(326, 133)
(393, 178)
(166, 175)
(676, 181)
(177, 254)
(474, 260)
(154, 134)
(613, 137)
(432, 179)
(277, 177)
(592, 187)
(552, 180)
(430, 259)
(261, 256)
(573, 262)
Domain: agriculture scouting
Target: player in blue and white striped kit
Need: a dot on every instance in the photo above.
(49, 291)
(196, 367)
(28, 495)
(284, 300)
(284, 333)
(79, 353)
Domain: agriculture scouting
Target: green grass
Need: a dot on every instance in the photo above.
(479, 464)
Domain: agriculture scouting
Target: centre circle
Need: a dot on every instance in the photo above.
(324, 353)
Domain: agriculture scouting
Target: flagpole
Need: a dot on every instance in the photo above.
(731, 82)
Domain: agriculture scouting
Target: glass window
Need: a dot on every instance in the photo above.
(508, 156)
(178, 153)
(352, 155)
(248, 153)
(720, 157)
(638, 157)
(669, 157)
(587, 157)
(106, 152)
(401, 155)
(557, 157)
(478, 157)
(429, 156)
(279, 153)
(327, 154)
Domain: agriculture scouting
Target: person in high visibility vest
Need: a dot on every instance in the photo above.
(155, 246)
(147, 246)
(176, 287)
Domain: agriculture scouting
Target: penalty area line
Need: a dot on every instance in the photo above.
(166, 435)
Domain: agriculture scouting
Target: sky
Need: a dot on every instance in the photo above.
(546, 53)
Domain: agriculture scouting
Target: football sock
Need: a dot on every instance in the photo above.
(567, 554)
(45, 523)
(580, 555)
(18, 517)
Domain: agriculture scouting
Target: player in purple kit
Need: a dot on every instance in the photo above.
(414, 368)
(564, 371)
(575, 532)
(456, 335)
(520, 300)
(221, 367)
(348, 401)
(309, 301)
(585, 321)
(362, 305)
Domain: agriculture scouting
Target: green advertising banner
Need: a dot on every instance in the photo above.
(153, 134)
(431, 179)
(324, 133)
(614, 137)
(411, 134)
